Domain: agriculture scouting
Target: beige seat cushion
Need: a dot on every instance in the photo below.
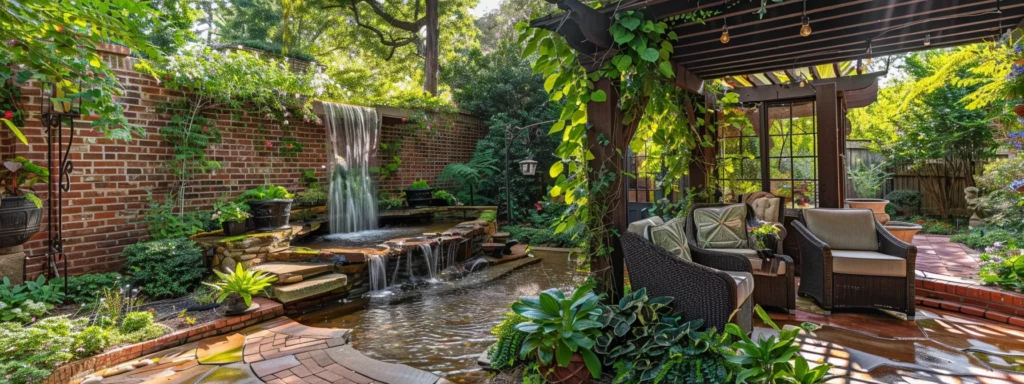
(721, 227)
(755, 260)
(849, 229)
(639, 227)
(767, 208)
(671, 237)
(867, 263)
(744, 285)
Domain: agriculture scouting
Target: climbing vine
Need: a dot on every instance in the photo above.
(650, 102)
(250, 86)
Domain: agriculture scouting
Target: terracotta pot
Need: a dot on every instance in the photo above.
(1019, 110)
(875, 205)
(575, 373)
(903, 230)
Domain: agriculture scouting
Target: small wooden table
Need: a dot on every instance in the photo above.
(772, 289)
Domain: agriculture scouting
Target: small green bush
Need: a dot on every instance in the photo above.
(24, 302)
(980, 240)
(906, 201)
(264, 192)
(419, 184)
(542, 236)
(86, 288)
(315, 195)
(165, 268)
(92, 340)
(28, 354)
(135, 321)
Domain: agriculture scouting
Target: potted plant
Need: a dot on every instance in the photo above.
(236, 289)
(20, 209)
(767, 236)
(232, 217)
(419, 194)
(561, 333)
(443, 198)
(269, 206)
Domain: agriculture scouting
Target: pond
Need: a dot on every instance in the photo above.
(444, 328)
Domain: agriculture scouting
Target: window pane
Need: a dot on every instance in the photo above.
(779, 146)
(804, 145)
(803, 168)
(805, 194)
(780, 168)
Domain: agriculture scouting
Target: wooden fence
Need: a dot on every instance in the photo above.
(937, 180)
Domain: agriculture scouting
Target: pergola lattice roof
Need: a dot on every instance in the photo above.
(843, 32)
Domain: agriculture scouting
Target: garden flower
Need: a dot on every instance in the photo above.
(286, 122)
(268, 144)
(1017, 184)
(8, 115)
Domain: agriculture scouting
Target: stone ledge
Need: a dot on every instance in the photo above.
(269, 309)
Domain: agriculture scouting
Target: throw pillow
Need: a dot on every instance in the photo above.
(671, 237)
(640, 226)
(721, 227)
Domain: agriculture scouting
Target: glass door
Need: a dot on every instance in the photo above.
(791, 164)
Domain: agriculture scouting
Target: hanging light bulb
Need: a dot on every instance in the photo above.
(725, 34)
(803, 80)
(805, 22)
(927, 39)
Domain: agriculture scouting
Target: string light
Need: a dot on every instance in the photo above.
(805, 27)
(725, 33)
(927, 39)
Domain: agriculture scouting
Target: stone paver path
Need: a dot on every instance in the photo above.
(936, 254)
(279, 351)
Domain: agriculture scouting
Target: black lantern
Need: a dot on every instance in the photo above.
(528, 166)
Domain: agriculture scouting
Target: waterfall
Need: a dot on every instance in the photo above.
(352, 135)
(378, 272)
(430, 257)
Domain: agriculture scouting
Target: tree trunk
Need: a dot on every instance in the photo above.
(430, 51)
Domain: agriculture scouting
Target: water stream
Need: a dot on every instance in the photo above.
(378, 266)
(444, 328)
(352, 133)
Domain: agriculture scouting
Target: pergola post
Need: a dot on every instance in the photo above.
(829, 152)
(606, 120)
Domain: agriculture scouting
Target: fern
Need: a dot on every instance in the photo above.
(503, 354)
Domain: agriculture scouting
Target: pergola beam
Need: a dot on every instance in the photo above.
(792, 91)
(687, 80)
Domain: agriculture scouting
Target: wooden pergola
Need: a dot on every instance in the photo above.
(766, 59)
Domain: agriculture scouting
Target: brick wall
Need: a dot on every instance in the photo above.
(426, 151)
(112, 180)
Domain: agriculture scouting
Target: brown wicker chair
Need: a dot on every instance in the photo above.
(699, 291)
(770, 289)
(825, 271)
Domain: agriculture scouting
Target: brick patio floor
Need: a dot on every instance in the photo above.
(936, 254)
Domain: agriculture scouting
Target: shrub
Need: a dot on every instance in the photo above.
(315, 195)
(92, 340)
(24, 302)
(87, 288)
(419, 184)
(542, 236)
(165, 268)
(264, 192)
(164, 223)
(1003, 266)
(978, 239)
(505, 352)
(135, 321)
(906, 201)
(28, 354)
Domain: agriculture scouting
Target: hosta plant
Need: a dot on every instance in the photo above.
(561, 327)
(18, 175)
(774, 359)
(644, 343)
(245, 283)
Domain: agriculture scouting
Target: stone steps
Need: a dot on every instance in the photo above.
(309, 287)
(294, 272)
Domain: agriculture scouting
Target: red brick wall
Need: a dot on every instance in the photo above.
(426, 151)
(112, 180)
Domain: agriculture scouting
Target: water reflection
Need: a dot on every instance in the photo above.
(444, 329)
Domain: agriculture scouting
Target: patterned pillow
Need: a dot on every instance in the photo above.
(671, 237)
(721, 227)
(639, 227)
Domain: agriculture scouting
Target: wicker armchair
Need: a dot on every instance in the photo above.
(841, 278)
(772, 288)
(699, 291)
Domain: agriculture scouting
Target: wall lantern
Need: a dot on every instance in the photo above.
(528, 166)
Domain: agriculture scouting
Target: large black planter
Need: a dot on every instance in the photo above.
(269, 215)
(19, 220)
(419, 198)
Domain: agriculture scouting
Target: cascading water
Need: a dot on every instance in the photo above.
(378, 272)
(353, 133)
(430, 255)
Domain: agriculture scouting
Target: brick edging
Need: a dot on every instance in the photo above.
(971, 299)
(269, 309)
